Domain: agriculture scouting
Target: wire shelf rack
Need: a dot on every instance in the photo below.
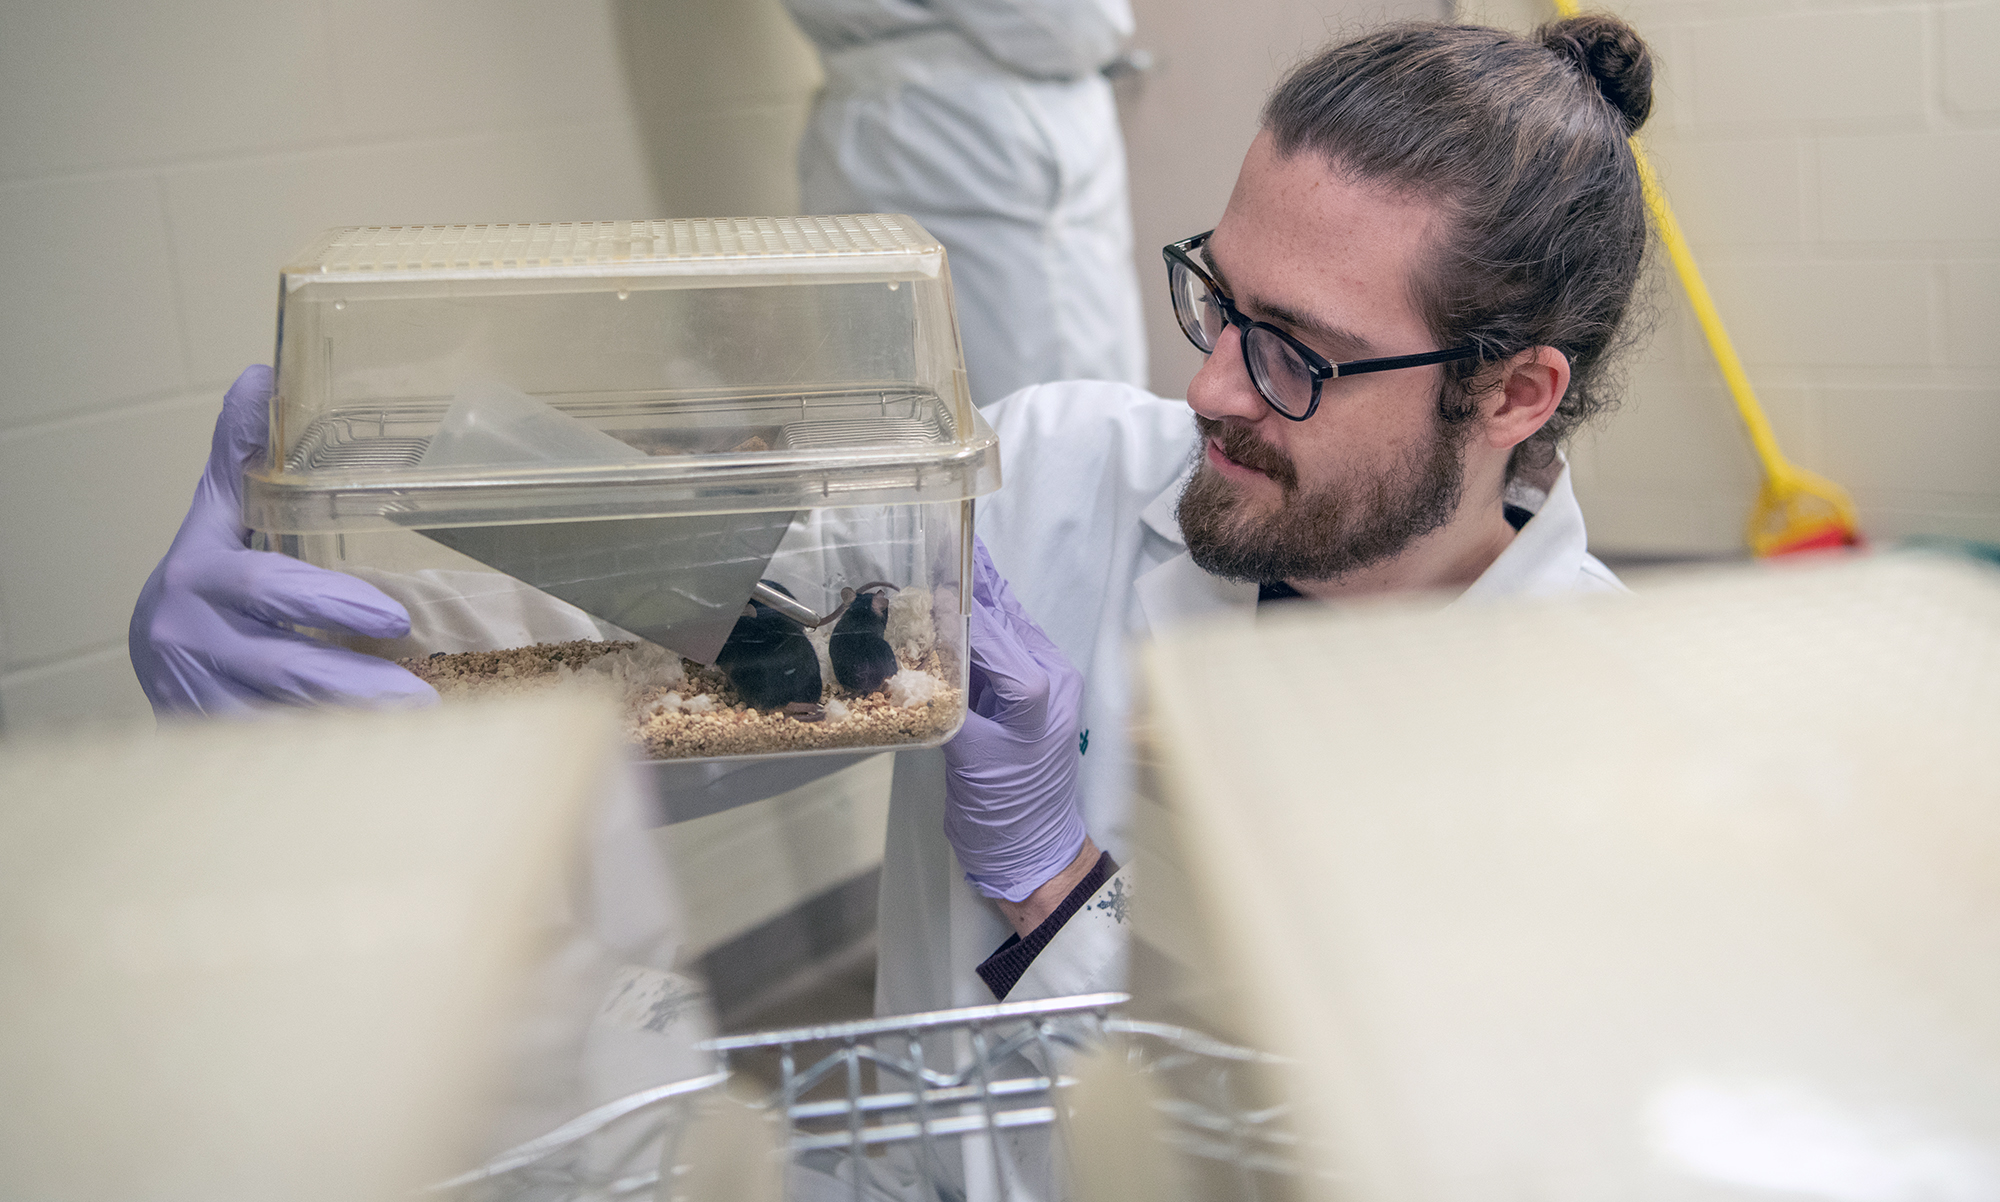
(868, 1116)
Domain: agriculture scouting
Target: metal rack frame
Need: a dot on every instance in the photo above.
(1200, 1111)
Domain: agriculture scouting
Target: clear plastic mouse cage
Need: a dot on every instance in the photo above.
(722, 467)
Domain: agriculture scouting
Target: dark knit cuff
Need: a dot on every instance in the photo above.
(1002, 970)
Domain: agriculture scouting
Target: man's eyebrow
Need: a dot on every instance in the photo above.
(1334, 341)
(1330, 340)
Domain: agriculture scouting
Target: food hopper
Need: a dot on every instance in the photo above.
(747, 442)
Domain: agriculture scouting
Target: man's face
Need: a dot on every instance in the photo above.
(1329, 260)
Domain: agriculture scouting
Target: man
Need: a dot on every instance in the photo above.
(1410, 299)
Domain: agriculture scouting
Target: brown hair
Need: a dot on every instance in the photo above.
(1523, 142)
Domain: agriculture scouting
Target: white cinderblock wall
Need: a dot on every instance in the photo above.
(158, 162)
(1835, 166)
(1834, 162)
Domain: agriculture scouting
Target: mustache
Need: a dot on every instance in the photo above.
(1243, 445)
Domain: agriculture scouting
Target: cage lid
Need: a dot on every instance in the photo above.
(359, 406)
(873, 244)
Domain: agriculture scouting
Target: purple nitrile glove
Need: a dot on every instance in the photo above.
(210, 633)
(1011, 809)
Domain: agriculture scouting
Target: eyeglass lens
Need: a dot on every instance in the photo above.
(1278, 371)
(1200, 316)
(1275, 368)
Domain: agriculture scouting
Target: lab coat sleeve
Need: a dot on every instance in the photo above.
(1045, 39)
(1003, 969)
(1089, 953)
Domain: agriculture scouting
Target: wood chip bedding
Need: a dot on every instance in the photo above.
(679, 709)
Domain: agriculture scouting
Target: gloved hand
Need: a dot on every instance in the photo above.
(209, 634)
(1011, 807)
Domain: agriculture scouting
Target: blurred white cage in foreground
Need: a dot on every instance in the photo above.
(272, 958)
(1686, 896)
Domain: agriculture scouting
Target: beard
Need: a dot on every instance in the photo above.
(1322, 533)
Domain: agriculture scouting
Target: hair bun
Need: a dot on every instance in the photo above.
(1615, 58)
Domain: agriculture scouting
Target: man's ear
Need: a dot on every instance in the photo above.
(1531, 385)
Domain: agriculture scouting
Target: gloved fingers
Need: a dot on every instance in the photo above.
(178, 683)
(240, 434)
(244, 426)
(289, 668)
(277, 589)
(1032, 636)
(264, 666)
(995, 597)
(324, 675)
(975, 743)
(1009, 684)
(987, 582)
(991, 588)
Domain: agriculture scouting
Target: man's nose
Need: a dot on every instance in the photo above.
(1222, 388)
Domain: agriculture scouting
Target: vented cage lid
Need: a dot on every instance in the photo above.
(867, 243)
(653, 369)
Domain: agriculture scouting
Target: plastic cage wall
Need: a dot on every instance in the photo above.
(542, 435)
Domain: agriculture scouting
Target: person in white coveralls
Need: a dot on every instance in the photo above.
(1411, 299)
(991, 122)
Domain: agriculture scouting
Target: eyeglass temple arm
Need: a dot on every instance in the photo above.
(1393, 362)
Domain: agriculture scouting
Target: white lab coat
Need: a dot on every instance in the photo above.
(989, 122)
(1084, 530)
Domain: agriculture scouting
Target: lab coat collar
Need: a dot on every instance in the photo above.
(1544, 558)
(1547, 555)
(1159, 512)
(1177, 591)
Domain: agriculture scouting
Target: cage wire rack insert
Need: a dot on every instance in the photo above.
(1000, 1082)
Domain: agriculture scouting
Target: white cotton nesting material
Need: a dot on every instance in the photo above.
(674, 703)
(631, 673)
(836, 710)
(909, 629)
(910, 688)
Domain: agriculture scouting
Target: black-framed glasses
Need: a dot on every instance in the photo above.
(1288, 373)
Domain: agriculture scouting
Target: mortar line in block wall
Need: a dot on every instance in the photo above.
(26, 671)
(307, 149)
(1933, 67)
(1937, 328)
(182, 334)
(1812, 215)
(85, 414)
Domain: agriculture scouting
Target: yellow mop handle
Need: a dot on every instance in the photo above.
(1776, 466)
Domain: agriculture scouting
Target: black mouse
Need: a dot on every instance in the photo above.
(769, 660)
(862, 658)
